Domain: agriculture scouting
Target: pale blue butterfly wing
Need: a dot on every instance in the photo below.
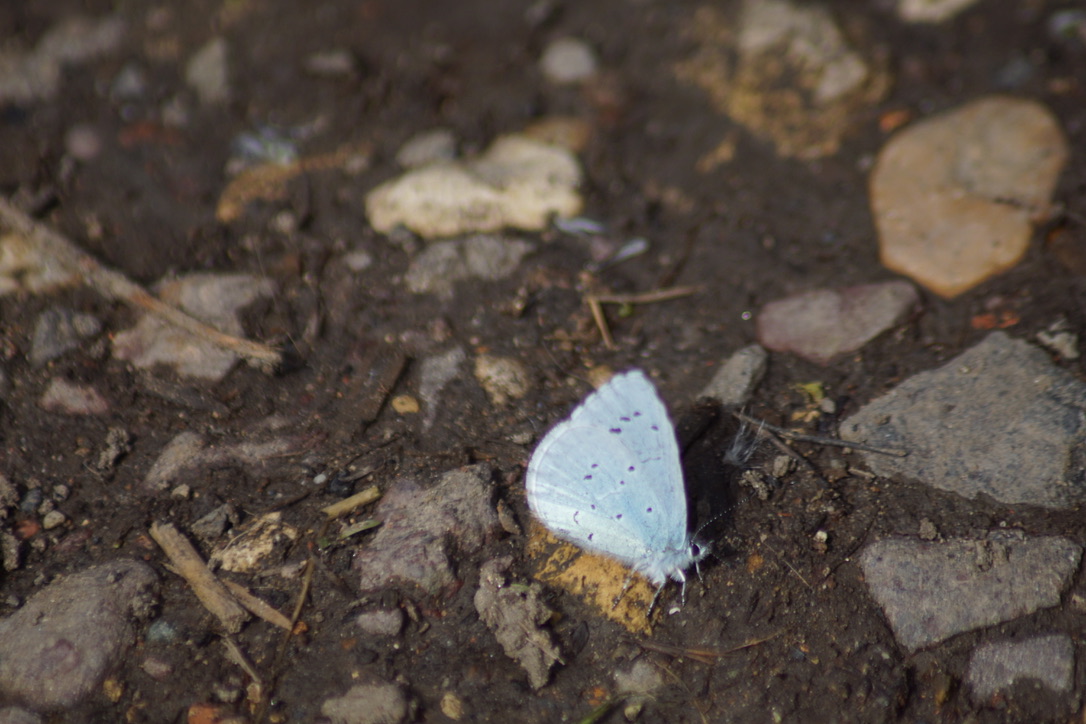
(610, 480)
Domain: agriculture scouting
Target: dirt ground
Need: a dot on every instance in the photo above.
(790, 631)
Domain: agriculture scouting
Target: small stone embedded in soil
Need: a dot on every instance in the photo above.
(517, 183)
(737, 377)
(53, 519)
(642, 677)
(954, 196)
(437, 269)
(824, 324)
(995, 666)
(217, 300)
(381, 621)
(930, 11)
(503, 378)
(422, 527)
(568, 60)
(435, 372)
(427, 147)
(207, 72)
(15, 715)
(932, 591)
(73, 399)
(405, 404)
(25, 266)
(187, 452)
(515, 613)
(785, 71)
(1017, 422)
(36, 75)
(369, 703)
(59, 330)
(57, 649)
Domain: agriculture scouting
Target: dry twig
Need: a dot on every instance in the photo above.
(116, 286)
(190, 566)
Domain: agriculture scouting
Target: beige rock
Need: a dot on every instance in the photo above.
(503, 378)
(786, 71)
(953, 196)
(931, 11)
(519, 183)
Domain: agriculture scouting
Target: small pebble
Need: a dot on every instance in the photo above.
(427, 147)
(568, 60)
(83, 142)
(53, 519)
(405, 404)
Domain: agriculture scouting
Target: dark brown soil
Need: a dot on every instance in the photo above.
(802, 640)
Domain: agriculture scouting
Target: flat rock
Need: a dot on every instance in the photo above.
(71, 398)
(824, 324)
(954, 195)
(931, 11)
(435, 372)
(999, 419)
(59, 330)
(997, 665)
(931, 591)
(517, 183)
(215, 299)
(737, 377)
(57, 649)
(375, 702)
(437, 269)
(422, 528)
(785, 71)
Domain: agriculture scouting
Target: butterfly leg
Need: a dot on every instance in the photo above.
(655, 597)
(625, 587)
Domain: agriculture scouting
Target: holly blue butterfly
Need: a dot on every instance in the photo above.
(609, 479)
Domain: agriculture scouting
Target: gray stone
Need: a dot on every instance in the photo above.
(435, 372)
(70, 398)
(568, 60)
(381, 621)
(58, 648)
(421, 528)
(823, 324)
(207, 72)
(996, 666)
(932, 591)
(369, 703)
(437, 269)
(737, 378)
(15, 715)
(998, 420)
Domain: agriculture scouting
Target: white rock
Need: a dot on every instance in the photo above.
(930, 11)
(518, 183)
(568, 60)
(207, 72)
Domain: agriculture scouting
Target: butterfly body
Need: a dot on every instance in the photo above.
(609, 479)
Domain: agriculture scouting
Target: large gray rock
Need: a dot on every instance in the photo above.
(932, 591)
(59, 647)
(999, 419)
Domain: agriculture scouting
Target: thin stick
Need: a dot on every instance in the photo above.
(114, 285)
(601, 322)
(357, 500)
(659, 295)
(799, 437)
(258, 606)
(190, 566)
